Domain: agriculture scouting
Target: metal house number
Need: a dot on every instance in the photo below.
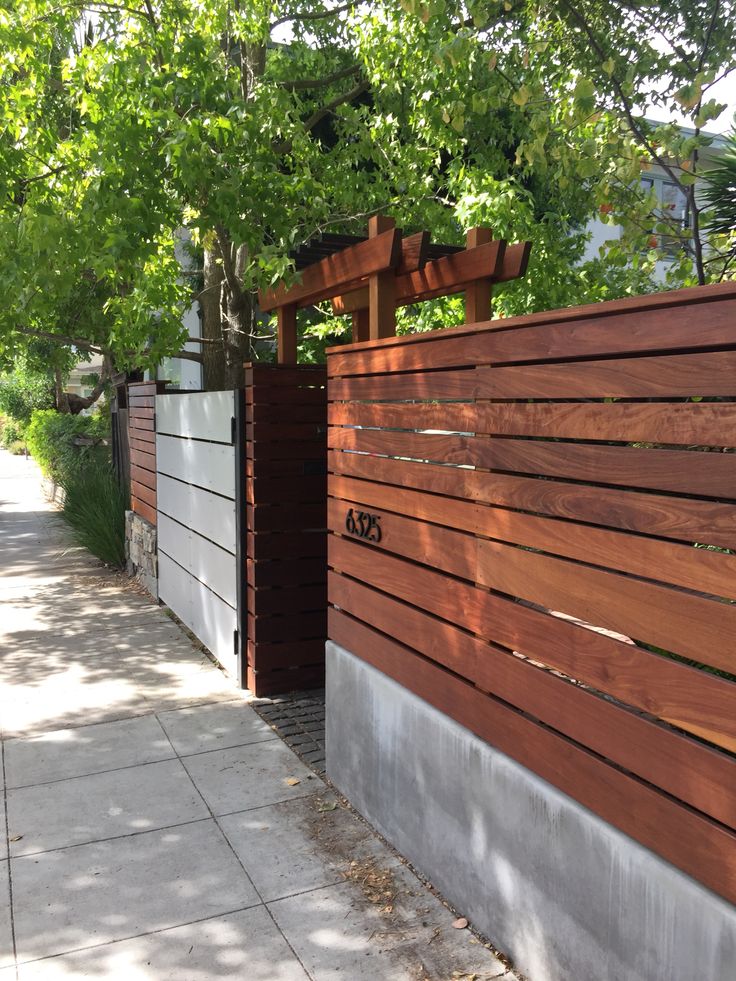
(363, 525)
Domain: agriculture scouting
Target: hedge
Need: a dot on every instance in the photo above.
(50, 436)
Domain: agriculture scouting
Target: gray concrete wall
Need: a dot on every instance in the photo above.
(554, 887)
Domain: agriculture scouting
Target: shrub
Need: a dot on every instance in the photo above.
(51, 435)
(12, 435)
(21, 393)
(94, 507)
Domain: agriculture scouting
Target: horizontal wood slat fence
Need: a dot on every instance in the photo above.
(142, 442)
(514, 511)
(285, 494)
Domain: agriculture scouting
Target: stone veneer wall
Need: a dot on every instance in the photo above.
(141, 551)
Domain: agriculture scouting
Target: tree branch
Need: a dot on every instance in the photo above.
(48, 335)
(338, 101)
(625, 102)
(315, 83)
(321, 15)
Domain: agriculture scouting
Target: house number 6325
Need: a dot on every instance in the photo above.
(363, 525)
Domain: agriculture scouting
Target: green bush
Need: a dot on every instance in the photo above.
(94, 507)
(51, 435)
(21, 393)
(12, 435)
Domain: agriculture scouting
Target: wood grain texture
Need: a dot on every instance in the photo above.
(142, 476)
(668, 376)
(337, 272)
(693, 773)
(699, 703)
(144, 510)
(693, 626)
(682, 519)
(701, 423)
(700, 569)
(663, 331)
(685, 838)
(709, 474)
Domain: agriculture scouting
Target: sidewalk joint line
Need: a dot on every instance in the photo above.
(240, 863)
(10, 871)
(99, 841)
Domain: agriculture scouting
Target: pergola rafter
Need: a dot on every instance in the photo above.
(369, 278)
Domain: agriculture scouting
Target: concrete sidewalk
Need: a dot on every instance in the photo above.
(154, 827)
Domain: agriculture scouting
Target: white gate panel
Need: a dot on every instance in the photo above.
(212, 620)
(206, 513)
(197, 522)
(207, 562)
(208, 465)
(199, 415)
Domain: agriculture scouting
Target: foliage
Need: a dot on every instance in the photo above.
(720, 196)
(22, 392)
(94, 507)
(130, 136)
(51, 439)
(12, 435)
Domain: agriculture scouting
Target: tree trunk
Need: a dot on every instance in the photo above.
(214, 368)
(62, 399)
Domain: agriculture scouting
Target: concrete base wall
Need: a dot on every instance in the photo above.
(141, 551)
(554, 887)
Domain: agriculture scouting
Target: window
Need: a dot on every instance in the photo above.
(674, 210)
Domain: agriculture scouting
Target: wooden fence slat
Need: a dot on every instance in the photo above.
(143, 492)
(145, 510)
(666, 376)
(286, 413)
(144, 437)
(280, 490)
(141, 476)
(145, 460)
(693, 700)
(693, 626)
(593, 333)
(295, 599)
(708, 475)
(682, 519)
(630, 805)
(698, 628)
(289, 545)
(286, 517)
(701, 423)
(668, 517)
(671, 563)
(693, 773)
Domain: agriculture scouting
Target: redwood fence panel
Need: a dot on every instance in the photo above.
(285, 495)
(142, 443)
(514, 510)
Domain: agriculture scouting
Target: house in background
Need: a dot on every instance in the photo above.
(673, 204)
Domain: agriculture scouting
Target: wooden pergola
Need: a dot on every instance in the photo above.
(369, 278)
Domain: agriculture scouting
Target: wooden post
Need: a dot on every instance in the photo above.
(287, 334)
(361, 326)
(478, 294)
(381, 289)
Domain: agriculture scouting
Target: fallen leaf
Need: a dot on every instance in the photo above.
(327, 806)
(460, 923)
(292, 781)
(16, 838)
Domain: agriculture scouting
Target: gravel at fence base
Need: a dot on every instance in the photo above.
(299, 718)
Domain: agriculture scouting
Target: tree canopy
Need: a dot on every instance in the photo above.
(134, 133)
